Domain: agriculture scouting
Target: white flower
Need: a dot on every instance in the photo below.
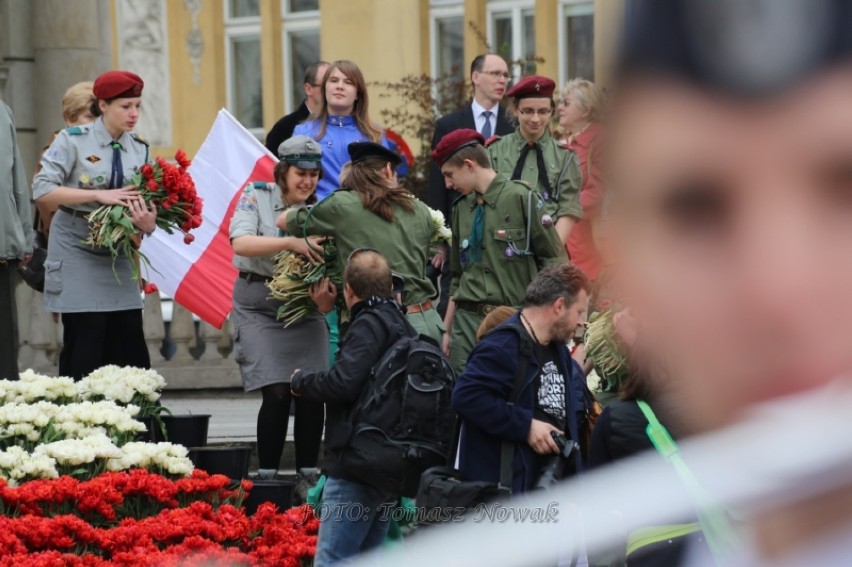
(121, 384)
(440, 232)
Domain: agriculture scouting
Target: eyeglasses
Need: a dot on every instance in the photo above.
(529, 112)
(360, 251)
(498, 74)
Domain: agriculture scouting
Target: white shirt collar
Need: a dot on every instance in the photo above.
(478, 109)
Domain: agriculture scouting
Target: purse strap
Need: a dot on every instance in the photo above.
(507, 448)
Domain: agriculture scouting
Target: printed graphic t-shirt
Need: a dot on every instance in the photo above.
(550, 385)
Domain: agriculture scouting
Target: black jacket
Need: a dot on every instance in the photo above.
(283, 129)
(366, 341)
(619, 433)
(439, 198)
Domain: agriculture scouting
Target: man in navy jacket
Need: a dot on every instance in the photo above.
(552, 397)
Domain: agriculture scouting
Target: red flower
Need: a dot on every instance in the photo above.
(147, 170)
(182, 160)
(150, 288)
(152, 185)
(188, 238)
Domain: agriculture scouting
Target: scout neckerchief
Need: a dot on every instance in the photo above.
(714, 522)
(116, 178)
(477, 230)
(543, 181)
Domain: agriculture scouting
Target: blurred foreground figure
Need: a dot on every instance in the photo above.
(730, 168)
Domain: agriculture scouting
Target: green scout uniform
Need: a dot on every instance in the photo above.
(265, 350)
(563, 171)
(515, 246)
(405, 243)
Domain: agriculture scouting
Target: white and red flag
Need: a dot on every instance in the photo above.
(200, 276)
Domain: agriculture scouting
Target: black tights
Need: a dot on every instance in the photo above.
(272, 422)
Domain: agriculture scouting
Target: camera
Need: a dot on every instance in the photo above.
(561, 465)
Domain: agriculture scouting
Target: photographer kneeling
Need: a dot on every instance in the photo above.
(552, 397)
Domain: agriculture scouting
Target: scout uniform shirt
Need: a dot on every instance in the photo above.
(405, 242)
(255, 215)
(81, 157)
(515, 244)
(563, 171)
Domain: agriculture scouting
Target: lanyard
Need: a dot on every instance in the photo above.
(715, 524)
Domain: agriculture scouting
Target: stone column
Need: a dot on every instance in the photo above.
(72, 42)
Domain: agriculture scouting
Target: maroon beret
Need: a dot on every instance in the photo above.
(533, 86)
(453, 142)
(118, 84)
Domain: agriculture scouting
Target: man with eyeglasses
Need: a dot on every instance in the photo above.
(489, 74)
(283, 129)
(531, 154)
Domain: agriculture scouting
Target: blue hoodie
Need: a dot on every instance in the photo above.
(340, 132)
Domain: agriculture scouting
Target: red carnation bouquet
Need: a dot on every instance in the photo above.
(170, 188)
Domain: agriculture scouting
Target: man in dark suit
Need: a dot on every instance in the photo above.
(489, 74)
(283, 129)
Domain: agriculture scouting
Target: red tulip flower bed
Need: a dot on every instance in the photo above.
(140, 518)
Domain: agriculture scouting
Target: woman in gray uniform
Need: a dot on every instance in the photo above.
(85, 167)
(267, 352)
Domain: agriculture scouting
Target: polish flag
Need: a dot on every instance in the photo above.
(200, 276)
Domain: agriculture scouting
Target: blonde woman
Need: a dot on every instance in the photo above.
(581, 108)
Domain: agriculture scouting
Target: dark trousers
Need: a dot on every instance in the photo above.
(8, 321)
(92, 340)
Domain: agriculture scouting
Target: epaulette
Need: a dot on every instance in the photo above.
(491, 140)
(139, 138)
(77, 130)
(259, 185)
(522, 182)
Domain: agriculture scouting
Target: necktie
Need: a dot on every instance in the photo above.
(476, 231)
(486, 129)
(116, 178)
(543, 181)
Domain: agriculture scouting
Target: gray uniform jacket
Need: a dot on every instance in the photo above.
(81, 157)
(255, 215)
(16, 234)
(78, 277)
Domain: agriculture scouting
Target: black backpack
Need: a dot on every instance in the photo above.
(403, 423)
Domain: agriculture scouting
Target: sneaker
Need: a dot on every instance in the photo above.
(306, 478)
(266, 474)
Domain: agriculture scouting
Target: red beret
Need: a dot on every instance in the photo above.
(118, 84)
(533, 86)
(453, 142)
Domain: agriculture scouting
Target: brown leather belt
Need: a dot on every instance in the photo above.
(418, 307)
(481, 309)
(252, 277)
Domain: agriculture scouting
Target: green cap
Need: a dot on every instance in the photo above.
(302, 151)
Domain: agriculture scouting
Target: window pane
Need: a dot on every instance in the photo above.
(303, 5)
(244, 8)
(502, 40)
(580, 46)
(450, 45)
(529, 42)
(247, 99)
(304, 49)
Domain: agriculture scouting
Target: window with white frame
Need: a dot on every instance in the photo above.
(446, 32)
(301, 44)
(511, 33)
(242, 59)
(576, 40)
